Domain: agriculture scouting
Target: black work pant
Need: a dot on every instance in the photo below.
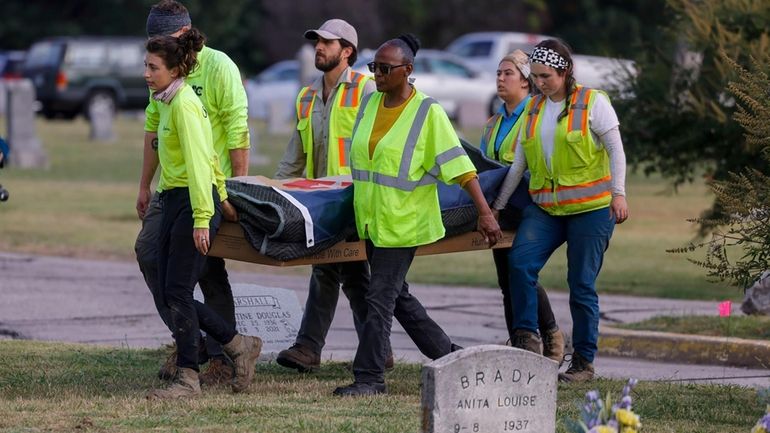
(180, 266)
(214, 281)
(322, 297)
(388, 294)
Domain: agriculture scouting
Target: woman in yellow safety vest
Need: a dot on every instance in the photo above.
(403, 144)
(191, 185)
(570, 142)
(498, 141)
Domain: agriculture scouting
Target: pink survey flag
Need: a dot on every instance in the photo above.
(725, 308)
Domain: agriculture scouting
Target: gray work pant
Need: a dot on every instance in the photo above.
(322, 297)
(214, 283)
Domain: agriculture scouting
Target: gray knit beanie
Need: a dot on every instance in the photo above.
(163, 23)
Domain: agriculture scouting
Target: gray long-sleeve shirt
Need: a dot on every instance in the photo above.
(294, 159)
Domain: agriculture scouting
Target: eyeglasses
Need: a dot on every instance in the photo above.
(383, 67)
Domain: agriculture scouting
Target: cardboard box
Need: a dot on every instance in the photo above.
(230, 243)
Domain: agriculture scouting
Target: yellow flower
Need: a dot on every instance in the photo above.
(626, 418)
(605, 429)
(758, 429)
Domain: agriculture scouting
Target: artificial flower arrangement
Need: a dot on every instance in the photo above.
(597, 417)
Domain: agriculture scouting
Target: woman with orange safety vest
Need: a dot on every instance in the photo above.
(571, 144)
(498, 141)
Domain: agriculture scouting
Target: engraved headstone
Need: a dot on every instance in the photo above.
(489, 389)
(101, 113)
(270, 313)
(26, 149)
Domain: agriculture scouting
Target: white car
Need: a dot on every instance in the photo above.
(276, 86)
(446, 78)
(484, 50)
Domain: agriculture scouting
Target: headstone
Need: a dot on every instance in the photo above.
(26, 149)
(256, 157)
(269, 313)
(757, 297)
(278, 116)
(101, 115)
(3, 98)
(472, 114)
(307, 69)
(489, 388)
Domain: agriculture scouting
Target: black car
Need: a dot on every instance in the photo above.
(74, 74)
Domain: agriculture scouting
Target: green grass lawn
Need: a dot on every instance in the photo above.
(65, 388)
(83, 206)
(751, 327)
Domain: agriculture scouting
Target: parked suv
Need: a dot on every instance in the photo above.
(73, 74)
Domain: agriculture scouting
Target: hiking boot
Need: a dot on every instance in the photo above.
(527, 340)
(300, 358)
(361, 389)
(168, 370)
(244, 351)
(454, 348)
(580, 370)
(186, 385)
(219, 371)
(553, 345)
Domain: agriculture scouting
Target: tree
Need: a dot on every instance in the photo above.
(680, 122)
(739, 248)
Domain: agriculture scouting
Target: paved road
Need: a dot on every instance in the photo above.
(102, 302)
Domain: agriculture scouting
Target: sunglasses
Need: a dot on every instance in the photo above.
(383, 67)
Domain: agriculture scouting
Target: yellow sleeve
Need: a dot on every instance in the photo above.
(151, 116)
(189, 122)
(465, 178)
(233, 105)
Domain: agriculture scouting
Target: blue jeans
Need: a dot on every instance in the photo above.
(587, 236)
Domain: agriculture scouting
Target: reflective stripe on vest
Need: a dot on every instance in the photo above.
(534, 111)
(349, 96)
(402, 181)
(486, 138)
(579, 109)
(306, 103)
(568, 198)
(576, 194)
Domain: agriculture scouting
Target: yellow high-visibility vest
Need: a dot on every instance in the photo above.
(395, 194)
(579, 179)
(343, 114)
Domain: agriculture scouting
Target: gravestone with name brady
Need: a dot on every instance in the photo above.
(269, 313)
(489, 389)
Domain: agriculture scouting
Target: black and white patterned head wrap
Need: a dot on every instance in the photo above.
(548, 57)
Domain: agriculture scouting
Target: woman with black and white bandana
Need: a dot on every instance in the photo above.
(571, 144)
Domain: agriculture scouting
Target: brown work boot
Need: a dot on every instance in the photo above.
(244, 351)
(219, 371)
(553, 345)
(527, 340)
(168, 370)
(580, 370)
(186, 385)
(300, 358)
